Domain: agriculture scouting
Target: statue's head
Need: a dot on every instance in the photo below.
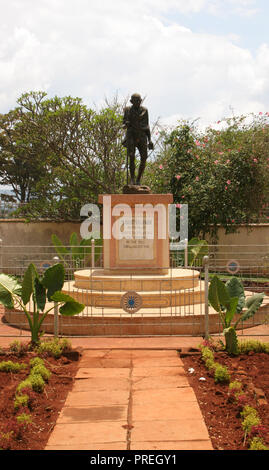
(136, 99)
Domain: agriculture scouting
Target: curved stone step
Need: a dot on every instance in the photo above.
(100, 280)
(150, 299)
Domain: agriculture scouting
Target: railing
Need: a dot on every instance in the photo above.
(248, 262)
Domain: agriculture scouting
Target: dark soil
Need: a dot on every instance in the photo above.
(220, 411)
(44, 408)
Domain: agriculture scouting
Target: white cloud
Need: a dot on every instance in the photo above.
(95, 49)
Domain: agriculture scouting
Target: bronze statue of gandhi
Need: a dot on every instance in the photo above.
(136, 122)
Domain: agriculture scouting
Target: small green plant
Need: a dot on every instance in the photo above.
(257, 444)
(77, 253)
(250, 421)
(55, 347)
(18, 347)
(9, 366)
(24, 385)
(235, 386)
(221, 374)
(250, 418)
(39, 290)
(207, 353)
(36, 361)
(41, 370)
(253, 345)
(34, 382)
(24, 418)
(37, 382)
(197, 249)
(21, 401)
(229, 299)
(248, 410)
(210, 364)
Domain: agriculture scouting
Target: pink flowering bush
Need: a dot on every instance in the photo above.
(221, 174)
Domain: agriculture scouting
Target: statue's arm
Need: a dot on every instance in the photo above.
(148, 133)
(126, 121)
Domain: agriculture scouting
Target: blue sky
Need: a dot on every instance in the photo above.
(252, 29)
(189, 58)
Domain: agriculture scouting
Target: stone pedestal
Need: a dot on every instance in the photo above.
(136, 233)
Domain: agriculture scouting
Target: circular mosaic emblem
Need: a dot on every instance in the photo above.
(45, 265)
(131, 302)
(233, 266)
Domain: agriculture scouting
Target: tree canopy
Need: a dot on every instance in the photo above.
(58, 154)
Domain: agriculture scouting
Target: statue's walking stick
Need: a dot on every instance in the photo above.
(127, 176)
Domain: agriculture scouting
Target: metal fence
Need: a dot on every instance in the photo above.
(187, 315)
(8, 209)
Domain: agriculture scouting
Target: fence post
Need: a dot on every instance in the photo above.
(186, 260)
(56, 310)
(93, 251)
(1, 256)
(206, 267)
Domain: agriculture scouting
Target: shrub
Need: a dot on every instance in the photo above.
(207, 354)
(216, 168)
(210, 364)
(37, 382)
(248, 410)
(251, 418)
(253, 345)
(54, 347)
(18, 347)
(257, 444)
(24, 418)
(236, 385)
(36, 361)
(40, 370)
(34, 382)
(221, 374)
(21, 401)
(9, 366)
(24, 385)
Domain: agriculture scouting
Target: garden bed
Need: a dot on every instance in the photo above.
(220, 410)
(42, 409)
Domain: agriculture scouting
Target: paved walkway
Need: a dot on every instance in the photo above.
(130, 394)
(130, 399)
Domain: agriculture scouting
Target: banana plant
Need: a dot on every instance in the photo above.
(48, 288)
(230, 299)
(197, 249)
(77, 251)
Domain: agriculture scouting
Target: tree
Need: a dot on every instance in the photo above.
(23, 161)
(62, 152)
(221, 174)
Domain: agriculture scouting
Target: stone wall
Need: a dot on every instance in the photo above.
(19, 232)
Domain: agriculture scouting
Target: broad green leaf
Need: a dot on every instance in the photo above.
(53, 279)
(61, 250)
(218, 295)
(231, 311)
(236, 289)
(74, 239)
(61, 297)
(197, 249)
(253, 304)
(8, 287)
(71, 308)
(40, 295)
(28, 283)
